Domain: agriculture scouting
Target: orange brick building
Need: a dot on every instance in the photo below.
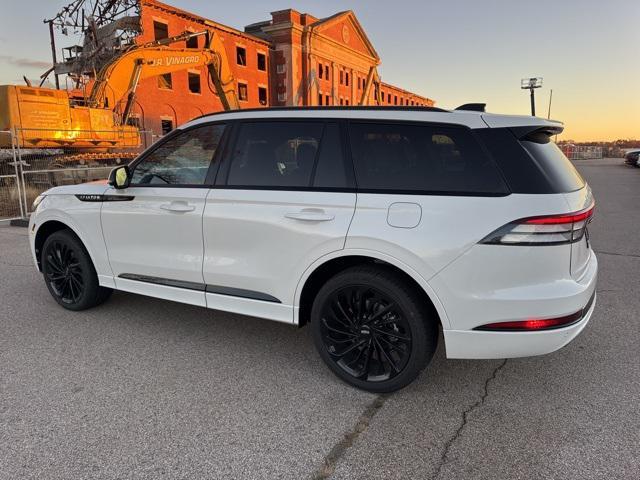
(293, 59)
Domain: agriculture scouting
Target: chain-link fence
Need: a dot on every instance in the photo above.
(30, 163)
(581, 152)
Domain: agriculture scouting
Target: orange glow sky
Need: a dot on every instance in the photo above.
(454, 51)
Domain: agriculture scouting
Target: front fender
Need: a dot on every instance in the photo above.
(83, 218)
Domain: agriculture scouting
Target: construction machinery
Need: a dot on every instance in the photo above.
(373, 79)
(97, 126)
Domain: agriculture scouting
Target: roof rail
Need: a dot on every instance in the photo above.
(325, 108)
(473, 107)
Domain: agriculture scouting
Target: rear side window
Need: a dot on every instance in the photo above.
(275, 154)
(532, 165)
(558, 169)
(415, 158)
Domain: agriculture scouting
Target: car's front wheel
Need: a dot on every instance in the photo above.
(372, 329)
(69, 273)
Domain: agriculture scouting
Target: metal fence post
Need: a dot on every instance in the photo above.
(19, 182)
(24, 185)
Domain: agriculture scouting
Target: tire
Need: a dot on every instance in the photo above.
(372, 329)
(69, 273)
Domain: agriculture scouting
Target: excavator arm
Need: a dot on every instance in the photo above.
(372, 78)
(118, 81)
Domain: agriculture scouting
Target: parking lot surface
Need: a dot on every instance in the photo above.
(145, 388)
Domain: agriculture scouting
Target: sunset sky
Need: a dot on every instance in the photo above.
(454, 51)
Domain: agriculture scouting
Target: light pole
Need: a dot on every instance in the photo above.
(531, 84)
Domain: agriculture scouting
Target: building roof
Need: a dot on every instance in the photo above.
(196, 18)
(328, 21)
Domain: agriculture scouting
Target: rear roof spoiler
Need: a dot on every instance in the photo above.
(537, 133)
(473, 107)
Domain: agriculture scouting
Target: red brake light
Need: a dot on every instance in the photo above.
(543, 230)
(560, 219)
(533, 324)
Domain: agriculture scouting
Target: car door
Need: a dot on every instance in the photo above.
(153, 229)
(283, 199)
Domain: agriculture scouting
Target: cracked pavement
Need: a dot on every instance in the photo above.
(143, 388)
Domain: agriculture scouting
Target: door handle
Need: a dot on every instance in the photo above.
(310, 216)
(179, 207)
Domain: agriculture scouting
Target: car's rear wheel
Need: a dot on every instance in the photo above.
(372, 330)
(69, 273)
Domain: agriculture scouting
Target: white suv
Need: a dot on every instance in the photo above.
(375, 226)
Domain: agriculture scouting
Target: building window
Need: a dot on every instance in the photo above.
(395, 100)
(160, 30)
(341, 101)
(192, 42)
(243, 92)
(166, 125)
(327, 100)
(346, 102)
(262, 96)
(346, 78)
(320, 71)
(341, 77)
(320, 97)
(262, 62)
(194, 83)
(281, 68)
(165, 81)
(326, 72)
(389, 98)
(241, 56)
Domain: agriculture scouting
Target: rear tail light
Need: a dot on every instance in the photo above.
(543, 230)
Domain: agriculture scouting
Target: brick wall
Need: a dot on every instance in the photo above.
(309, 61)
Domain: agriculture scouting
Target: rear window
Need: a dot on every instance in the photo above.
(558, 169)
(428, 159)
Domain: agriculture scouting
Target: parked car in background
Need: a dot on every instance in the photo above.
(375, 227)
(632, 157)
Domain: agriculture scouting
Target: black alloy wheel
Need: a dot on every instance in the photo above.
(64, 273)
(69, 272)
(366, 333)
(371, 328)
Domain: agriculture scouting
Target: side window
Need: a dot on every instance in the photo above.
(422, 158)
(182, 160)
(330, 170)
(275, 154)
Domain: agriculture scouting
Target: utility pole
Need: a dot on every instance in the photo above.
(531, 84)
(550, 98)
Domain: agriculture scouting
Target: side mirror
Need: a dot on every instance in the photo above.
(120, 177)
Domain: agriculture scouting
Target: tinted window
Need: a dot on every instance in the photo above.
(522, 174)
(422, 158)
(560, 172)
(330, 170)
(182, 160)
(275, 154)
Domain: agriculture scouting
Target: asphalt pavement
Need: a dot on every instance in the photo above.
(143, 388)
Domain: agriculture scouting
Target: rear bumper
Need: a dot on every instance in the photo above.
(485, 345)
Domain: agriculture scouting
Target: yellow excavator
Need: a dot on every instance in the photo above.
(97, 126)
